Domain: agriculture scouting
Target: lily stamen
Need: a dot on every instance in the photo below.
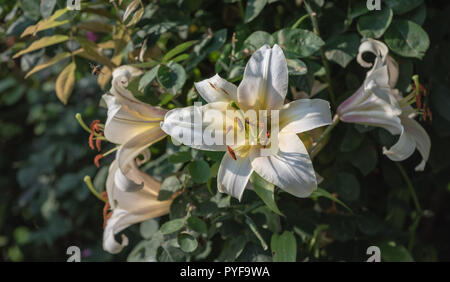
(97, 160)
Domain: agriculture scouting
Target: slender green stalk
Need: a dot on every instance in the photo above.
(419, 212)
(324, 134)
(300, 20)
(326, 65)
(85, 127)
(88, 181)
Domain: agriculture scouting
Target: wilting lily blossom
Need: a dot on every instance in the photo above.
(130, 207)
(377, 103)
(253, 111)
(132, 124)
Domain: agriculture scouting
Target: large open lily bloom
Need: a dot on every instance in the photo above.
(130, 207)
(132, 124)
(376, 103)
(264, 87)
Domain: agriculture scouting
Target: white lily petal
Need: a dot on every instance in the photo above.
(421, 138)
(121, 78)
(380, 50)
(378, 83)
(182, 125)
(377, 48)
(216, 89)
(233, 175)
(401, 150)
(290, 169)
(304, 115)
(265, 81)
(130, 207)
(122, 124)
(109, 241)
(127, 154)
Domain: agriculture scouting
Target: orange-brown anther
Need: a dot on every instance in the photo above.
(98, 142)
(231, 152)
(97, 159)
(91, 141)
(106, 209)
(94, 125)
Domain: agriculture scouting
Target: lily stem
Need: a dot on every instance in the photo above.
(419, 212)
(325, 133)
(326, 65)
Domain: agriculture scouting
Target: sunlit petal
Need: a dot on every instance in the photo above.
(265, 81)
(216, 89)
(291, 169)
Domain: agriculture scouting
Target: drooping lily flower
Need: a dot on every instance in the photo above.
(263, 88)
(130, 207)
(131, 123)
(376, 103)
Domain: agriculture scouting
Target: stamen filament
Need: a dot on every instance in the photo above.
(88, 181)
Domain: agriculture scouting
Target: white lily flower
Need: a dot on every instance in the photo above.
(131, 123)
(376, 103)
(130, 207)
(264, 87)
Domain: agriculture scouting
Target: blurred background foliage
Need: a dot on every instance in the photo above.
(45, 207)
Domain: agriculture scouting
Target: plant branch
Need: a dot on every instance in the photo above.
(326, 65)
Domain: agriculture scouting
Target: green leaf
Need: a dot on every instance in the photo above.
(199, 171)
(284, 247)
(177, 50)
(180, 157)
(296, 67)
(31, 8)
(47, 7)
(324, 193)
(298, 42)
(347, 186)
(375, 23)
(253, 8)
(391, 252)
(342, 49)
(364, 159)
(187, 242)
(206, 46)
(148, 228)
(169, 186)
(172, 77)
(265, 191)
(172, 226)
(48, 63)
(357, 9)
(65, 83)
(402, 6)
(41, 43)
(197, 225)
(92, 52)
(407, 39)
(147, 78)
(232, 248)
(257, 39)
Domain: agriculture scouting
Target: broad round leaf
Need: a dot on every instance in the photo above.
(187, 242)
